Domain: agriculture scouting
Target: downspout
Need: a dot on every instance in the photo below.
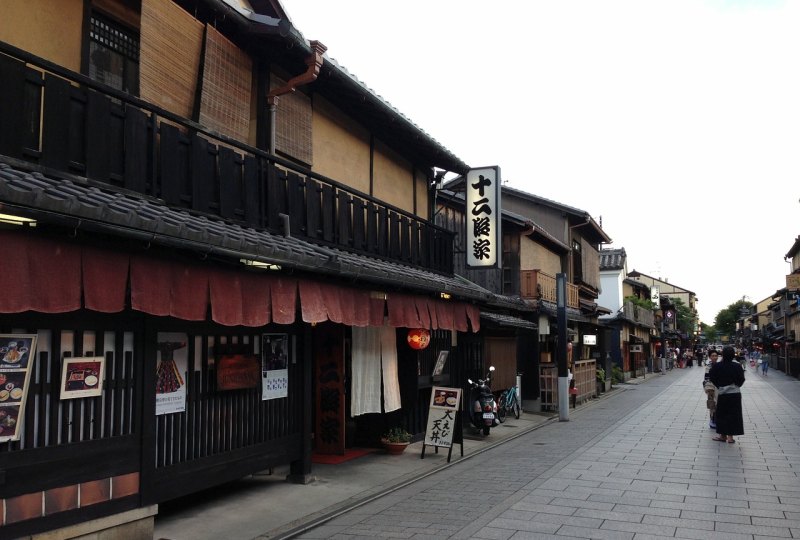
(314, 62)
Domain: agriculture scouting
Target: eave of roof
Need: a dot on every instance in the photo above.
(508, 320)
(79, 204)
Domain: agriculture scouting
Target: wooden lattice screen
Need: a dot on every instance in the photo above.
(50, 421)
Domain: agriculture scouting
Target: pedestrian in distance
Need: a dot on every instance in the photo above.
(710, 390)
(764, 364)
(728, 377)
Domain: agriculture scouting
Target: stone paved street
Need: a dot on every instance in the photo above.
(638, 464)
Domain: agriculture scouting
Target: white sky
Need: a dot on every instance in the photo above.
(675, 121)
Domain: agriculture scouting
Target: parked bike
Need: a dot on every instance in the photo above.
(508, 403)
(484, 407)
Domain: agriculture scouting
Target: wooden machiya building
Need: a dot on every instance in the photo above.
(216, 242)
(540, 239)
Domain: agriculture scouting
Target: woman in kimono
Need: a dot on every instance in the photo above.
(728, 376)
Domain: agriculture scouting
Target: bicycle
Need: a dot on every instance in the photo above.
(508, 402)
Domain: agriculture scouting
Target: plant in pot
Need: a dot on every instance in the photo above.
(601, 380)
(396, 440)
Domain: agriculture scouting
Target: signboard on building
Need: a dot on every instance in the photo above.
(636, 348)
(590, 339)
(793, 282)
(17, 356)
(655, 295)
(484, 237)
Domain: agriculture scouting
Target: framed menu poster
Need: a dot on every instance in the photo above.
(17, 354)
(82, 377)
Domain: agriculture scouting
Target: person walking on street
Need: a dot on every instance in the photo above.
(764, 364)
(728, 377)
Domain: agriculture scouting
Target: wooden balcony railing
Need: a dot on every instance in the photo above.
(538, 285)
(67, 122)
(638, 314)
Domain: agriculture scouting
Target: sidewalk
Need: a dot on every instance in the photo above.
(639, 465)
(266, 506)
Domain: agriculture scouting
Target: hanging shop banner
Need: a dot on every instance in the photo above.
(82, 377)
(484, 237)
(172, 363)
(274, 366)
(17, 354)
(442, 412)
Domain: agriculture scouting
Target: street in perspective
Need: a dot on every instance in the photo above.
(246, 294)
(637, 463)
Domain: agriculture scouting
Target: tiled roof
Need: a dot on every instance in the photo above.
(612, 259)
(132, 215)
(507, 320)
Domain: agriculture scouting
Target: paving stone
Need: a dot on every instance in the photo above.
(649, 470)
(584, 532)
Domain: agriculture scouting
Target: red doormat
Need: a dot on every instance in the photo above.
(335, 459)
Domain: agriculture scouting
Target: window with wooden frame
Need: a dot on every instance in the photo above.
(113, 54)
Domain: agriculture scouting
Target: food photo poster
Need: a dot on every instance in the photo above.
(17, 354)
(171, 372)
(274, 366)
(82, 377)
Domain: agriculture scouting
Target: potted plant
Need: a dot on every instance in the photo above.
(601, 380)
(396, 440)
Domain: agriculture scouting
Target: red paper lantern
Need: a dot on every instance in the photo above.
(419, 338)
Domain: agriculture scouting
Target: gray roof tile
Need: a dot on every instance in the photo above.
(129, 214)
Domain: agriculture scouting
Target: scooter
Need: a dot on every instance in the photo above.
(484, 407)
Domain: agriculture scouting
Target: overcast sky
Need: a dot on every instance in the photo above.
(676, 122)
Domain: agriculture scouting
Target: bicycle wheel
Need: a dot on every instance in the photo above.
(501, 409)
(517, 409)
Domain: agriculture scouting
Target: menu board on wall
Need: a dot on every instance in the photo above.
(17, 354)
(171, 369)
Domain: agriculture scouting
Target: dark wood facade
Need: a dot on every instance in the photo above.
(66, 122)
(219, 437)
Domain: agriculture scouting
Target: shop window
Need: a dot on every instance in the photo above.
(113, 54)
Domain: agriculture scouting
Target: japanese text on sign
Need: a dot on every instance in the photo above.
(445, 403)
(483, 217)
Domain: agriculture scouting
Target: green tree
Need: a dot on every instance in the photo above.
(686, 320)
(641, 302)
(709, 332)
(725, 323)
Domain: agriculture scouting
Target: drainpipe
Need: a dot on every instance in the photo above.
(314, 62)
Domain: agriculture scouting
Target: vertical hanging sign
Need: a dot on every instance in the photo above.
(484, 239)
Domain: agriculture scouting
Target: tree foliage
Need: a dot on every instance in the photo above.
(686, 321)
(725, 323)
(641, 302)
(709, 332)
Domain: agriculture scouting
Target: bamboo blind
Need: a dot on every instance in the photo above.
(293, 124)
(171, 41)
(227, 80)
(590, 260)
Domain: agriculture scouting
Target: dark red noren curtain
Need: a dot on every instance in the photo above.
(105, 279)
(39, 274)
